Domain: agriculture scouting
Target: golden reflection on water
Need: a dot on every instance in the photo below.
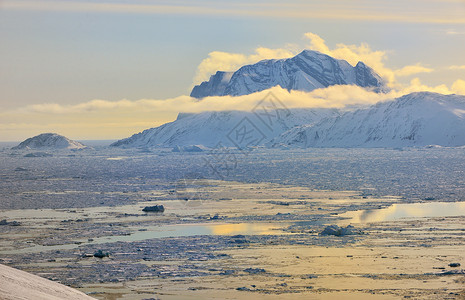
(242, 228)
(410, 210)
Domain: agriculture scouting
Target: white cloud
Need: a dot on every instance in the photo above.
(225, 61)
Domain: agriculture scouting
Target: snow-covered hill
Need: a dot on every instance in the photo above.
(230, 128)
(417, 119)
(306, 71)
(49, 141)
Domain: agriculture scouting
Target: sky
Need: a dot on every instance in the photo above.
(108, 69)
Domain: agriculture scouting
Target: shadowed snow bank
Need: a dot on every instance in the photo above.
(16, 284)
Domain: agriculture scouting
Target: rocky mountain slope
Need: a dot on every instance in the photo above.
(306, 71)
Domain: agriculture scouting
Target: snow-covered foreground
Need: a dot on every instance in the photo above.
(19, 285)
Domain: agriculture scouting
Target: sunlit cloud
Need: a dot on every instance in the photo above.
(454, 32)
(103, 119)
(337, 96)
(457, 67)
(225, 61)
(449, 13)
(90, 106)
(411, 70)
(374, 58)
(417, 86)
(458, 87)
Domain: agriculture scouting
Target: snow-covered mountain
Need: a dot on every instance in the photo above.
(49, 141)
(230, 128)
(417, 119)
(306, 71)
(214, 87)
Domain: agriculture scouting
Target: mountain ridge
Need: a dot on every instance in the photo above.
(416, 119)
(306, 71)
(211, 128)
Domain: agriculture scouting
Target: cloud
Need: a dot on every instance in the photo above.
(103, 119)
(454, 32)
(459, 87)
(90, 106)
(415, 11)
(411, 70)
(457, 67)
(417, 86)
(317, 43)
(333, 96)
(373, 58)
(225, 61)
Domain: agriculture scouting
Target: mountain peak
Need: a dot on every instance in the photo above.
(366, 77)
(213, 87)
(312, 53)
(306, 71)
